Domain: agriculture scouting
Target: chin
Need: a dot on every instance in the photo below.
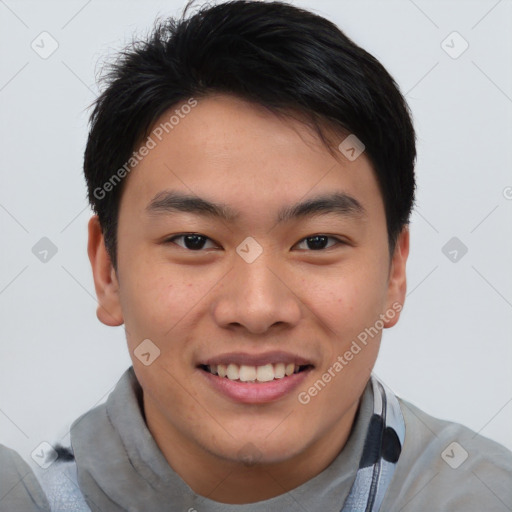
(259, 451)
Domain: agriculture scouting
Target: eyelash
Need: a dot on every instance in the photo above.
(171, 240)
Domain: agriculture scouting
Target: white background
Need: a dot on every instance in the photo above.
(450, 354)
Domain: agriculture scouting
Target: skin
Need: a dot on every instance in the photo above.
(198, 304)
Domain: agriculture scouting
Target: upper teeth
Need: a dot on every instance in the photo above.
(247, 373)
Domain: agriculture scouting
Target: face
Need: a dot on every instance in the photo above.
(263, 290)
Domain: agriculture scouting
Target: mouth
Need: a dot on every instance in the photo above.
(248, 373)
(255, 379)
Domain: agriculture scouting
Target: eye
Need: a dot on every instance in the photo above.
(196, 241)
(192, 241)
(317, 242)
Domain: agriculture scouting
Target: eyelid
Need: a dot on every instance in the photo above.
(339, 241)
(172, 238)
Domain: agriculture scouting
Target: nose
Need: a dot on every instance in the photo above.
(257, 296)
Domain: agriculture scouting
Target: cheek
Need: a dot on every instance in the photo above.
(348, 306)
(149, 299)
(347, 298)
(158, 299)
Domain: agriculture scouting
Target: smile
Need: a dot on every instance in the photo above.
(247, 373)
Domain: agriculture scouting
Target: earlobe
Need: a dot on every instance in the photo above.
(105, 279)
(397, 282)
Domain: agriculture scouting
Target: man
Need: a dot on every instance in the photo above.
(252, 174)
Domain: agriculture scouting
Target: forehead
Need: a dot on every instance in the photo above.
(224, 147)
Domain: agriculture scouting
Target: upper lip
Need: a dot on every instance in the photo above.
(243, 358)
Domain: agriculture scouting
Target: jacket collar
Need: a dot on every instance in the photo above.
(120, 467)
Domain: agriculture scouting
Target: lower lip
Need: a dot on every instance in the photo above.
(256, 392)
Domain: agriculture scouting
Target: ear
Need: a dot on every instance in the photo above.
(397, 281)
(105, 278)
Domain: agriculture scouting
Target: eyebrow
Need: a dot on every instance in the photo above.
(337, 203)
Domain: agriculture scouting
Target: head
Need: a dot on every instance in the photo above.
(236, 221)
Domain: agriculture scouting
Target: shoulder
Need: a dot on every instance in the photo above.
(19, 487)
(445, 466)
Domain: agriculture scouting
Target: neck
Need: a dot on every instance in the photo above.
(231, 482)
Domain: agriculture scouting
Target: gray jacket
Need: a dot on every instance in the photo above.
(443, 467)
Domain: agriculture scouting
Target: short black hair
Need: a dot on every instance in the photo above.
(284, 58)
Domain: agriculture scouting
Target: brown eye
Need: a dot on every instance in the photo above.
(318, 242)
(191, 241)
